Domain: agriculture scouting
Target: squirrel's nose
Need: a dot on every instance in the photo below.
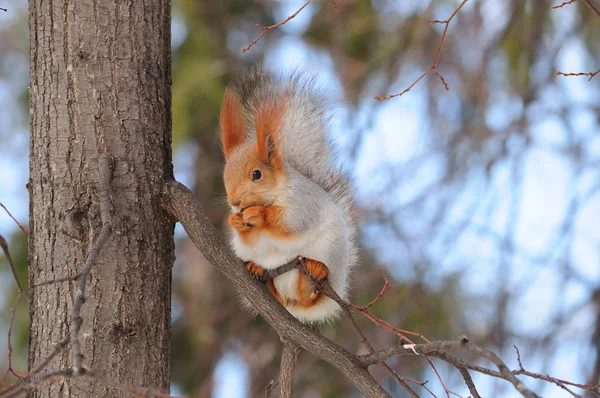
(236, 204)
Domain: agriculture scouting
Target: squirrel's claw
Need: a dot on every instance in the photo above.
(256, 271)
(317, 271)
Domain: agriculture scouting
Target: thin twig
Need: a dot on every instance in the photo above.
(26, 384)
(564, 4)
(4, 247)
(265, 29)
(535, 375)
(53, 281)
(59, 347)
(105, 171)
(376, 299)
(24, 229)
(590, 74)
(272, 273)
(433, 66)
(495, 359)
(10, 369)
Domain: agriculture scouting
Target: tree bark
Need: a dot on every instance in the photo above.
(100, 81)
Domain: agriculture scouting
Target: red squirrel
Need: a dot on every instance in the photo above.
(288, 198)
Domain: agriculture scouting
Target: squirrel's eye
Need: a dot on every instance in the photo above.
(256, 174)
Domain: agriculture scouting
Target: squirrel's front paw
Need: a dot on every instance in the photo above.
(256, 271)
(237, 221)
(253, 216)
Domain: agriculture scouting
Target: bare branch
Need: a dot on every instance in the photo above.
(433, 66)
(10, 369)
(59, 347)
(265, 29)
(4, 247)
(53, 281)
(376, 299)
(469, 382)
(289, 357)
(508, 375)
(105, 170)
(564, 4)
(590, 74)
(591, 6)
(272, 273)
(24, 229)
(558, 382)
(441, 350)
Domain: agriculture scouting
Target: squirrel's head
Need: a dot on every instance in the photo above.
(254, 170)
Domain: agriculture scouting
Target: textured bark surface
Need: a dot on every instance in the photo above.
(100, 81)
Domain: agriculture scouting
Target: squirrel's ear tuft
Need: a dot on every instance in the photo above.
(268, 116)
(233, 124)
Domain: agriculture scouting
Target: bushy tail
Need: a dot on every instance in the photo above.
(306, 145)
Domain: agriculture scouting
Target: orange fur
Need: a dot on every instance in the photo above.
(274, 292)
(308, 294)
(233, 125)
(317, 270)
(267, 122)
(254, 219)
(255, 269)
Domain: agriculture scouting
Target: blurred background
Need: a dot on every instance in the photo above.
(481, 203)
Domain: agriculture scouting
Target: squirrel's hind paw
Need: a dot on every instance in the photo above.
(256, 271)
(318, 271)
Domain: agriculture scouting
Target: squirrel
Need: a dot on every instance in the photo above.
(288, 198)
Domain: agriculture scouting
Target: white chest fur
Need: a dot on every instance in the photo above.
(269, 252)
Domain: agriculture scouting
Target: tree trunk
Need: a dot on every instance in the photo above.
(100, 80)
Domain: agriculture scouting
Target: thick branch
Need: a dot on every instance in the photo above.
(289, 357)
(181, 203)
